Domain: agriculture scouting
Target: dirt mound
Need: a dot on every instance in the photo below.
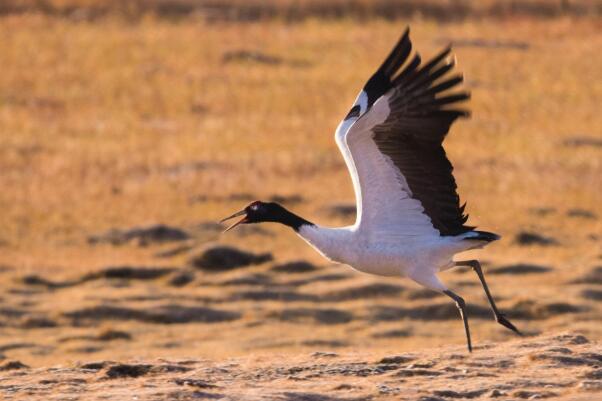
(423, 293)
(519, 268)
(166, 314)
(116, 272)
(272, 295)
(340, 210)
(593, 277)
(157, 233)
(531, 310)
(375, 290)
(395, 333)
(319, 316)
(595, 295)
(129, 273)
(252, 279)
(440, 311)
(298, 266)
(126, 370)
(222, 258)
(528, 238)
(106, 335)
(583, 141)
(13, 365)
(182, 278)
(318, 278)
(250, 56)
(581, 213)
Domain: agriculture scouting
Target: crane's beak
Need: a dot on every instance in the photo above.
(241, 221)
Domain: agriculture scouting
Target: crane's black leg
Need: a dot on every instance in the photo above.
(462, 308)
(500, 318)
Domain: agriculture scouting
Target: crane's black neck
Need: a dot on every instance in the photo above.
(292, 220)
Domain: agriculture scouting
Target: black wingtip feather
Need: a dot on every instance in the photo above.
(445, 85)
(442, 70)
(451, 113)
(397, 56)
(457, 97)
(381, 82)
(436, 60)
(408, 71)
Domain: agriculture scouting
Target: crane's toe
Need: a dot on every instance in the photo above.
(501, 319)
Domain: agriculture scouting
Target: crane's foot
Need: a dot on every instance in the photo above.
(501, 319)
(462, 308)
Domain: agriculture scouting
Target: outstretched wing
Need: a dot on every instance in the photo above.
(392, 143)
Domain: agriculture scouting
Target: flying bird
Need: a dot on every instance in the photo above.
(409, 218)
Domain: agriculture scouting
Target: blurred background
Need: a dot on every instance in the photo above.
(127, 129)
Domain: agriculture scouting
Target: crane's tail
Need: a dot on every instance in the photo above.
(481, 236)
(479, 239)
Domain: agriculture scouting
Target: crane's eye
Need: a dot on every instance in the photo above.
(354, 112)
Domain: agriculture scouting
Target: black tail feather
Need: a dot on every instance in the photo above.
(483, 236)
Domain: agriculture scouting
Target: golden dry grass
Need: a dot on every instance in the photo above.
(98, 121)
(297, 10)
(111, 124)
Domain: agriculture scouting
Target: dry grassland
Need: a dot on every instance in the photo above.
(117, 124)
(299, 10)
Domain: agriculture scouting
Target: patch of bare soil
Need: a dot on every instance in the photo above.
(564, 366)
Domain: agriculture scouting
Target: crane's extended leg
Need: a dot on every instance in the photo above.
(500, 318)
(427, 278)
(462, 308)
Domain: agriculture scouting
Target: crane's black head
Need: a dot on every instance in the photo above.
(260, 212)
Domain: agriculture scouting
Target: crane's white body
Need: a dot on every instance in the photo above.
(392, 235)
(413, 258)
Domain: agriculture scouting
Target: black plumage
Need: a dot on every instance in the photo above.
(354, 112)
(421, 113)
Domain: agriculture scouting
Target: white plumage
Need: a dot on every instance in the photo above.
(392, 235)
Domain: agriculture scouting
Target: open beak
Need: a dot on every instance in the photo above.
(241, 221)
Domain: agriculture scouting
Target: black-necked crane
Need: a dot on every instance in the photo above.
(409, 218)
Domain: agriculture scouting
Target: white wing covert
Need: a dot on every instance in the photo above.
(392, 143)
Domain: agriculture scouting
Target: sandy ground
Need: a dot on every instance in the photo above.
(565, 366)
